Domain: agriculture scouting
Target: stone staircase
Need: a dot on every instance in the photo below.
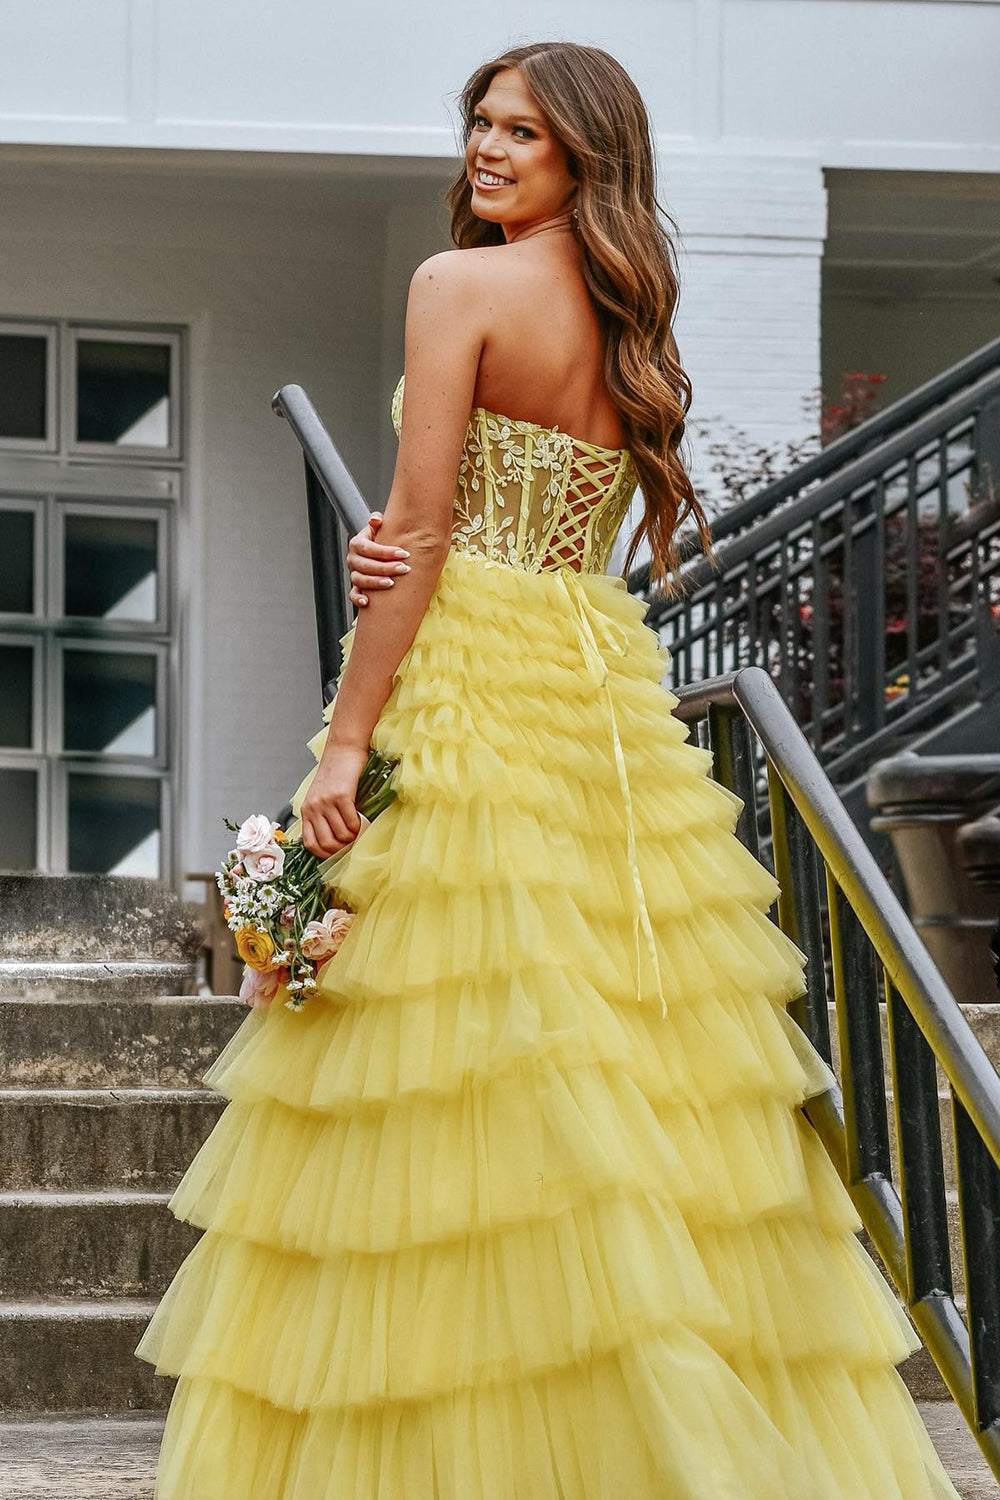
(102, 1045)
(102, 1048)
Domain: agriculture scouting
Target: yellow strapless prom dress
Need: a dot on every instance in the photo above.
(522, 1206)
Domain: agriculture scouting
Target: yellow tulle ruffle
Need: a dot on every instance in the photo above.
(481, 1223)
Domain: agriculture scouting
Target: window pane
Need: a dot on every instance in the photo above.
(18, 819)
(17, 573)
(109, 702)
(22, 385)
(16, 696)
(114, 825)
(109, 567)
(123, 393)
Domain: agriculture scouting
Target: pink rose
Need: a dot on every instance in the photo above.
(255, 833)
(287, 916)
(322, 939)
(258, 990)
(266, 863)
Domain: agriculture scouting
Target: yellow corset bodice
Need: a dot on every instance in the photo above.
(533, 497)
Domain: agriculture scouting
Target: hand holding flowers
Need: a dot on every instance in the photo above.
(279, 896)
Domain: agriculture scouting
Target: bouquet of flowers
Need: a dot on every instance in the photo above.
(280, 899)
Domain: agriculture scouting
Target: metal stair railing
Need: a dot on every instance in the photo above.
(876, 957)
(850, 445)
(866, 581)
(336, 509)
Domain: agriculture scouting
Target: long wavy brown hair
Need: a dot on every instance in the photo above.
(629, 262)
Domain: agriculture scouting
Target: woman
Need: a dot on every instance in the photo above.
(522, 1205)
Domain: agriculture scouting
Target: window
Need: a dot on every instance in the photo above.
(90, 486)
(123, 392)
(28, 386)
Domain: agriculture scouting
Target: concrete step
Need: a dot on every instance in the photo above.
(102, 979)
(95, 918)
(164, 1041)
(114, 1457)
(96, 1244)
(65, 1354)
(72, 1139)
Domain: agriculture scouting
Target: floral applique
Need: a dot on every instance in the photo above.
(534, 497)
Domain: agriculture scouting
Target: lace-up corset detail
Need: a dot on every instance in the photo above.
(533, 497)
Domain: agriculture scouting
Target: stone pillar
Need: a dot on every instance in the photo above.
(925, 803)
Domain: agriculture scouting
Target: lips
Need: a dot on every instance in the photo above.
(490, 186)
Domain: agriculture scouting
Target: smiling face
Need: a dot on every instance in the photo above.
(518, 169)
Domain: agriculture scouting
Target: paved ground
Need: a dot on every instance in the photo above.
(96, 1459)
(115, 1459)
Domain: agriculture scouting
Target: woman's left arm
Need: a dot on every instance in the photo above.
(443, 341)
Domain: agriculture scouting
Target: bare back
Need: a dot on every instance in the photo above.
(543, 355)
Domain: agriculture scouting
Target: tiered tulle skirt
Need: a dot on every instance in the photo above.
(479, 1223)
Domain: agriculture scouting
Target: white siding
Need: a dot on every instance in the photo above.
(847, 82)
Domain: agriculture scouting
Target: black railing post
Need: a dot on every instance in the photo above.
(921, 1159)
(979, 1213)
(327, 542)
(800, 913)
(729, 739)
(860, 1035)
(869, 585)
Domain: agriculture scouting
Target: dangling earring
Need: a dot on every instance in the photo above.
(575, 216)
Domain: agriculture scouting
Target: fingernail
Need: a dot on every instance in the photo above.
(403, 568)
(401, 552)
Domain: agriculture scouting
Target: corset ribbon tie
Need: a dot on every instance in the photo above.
(584, 613)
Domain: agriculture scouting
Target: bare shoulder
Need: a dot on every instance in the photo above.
(448, 296)
(460, 273)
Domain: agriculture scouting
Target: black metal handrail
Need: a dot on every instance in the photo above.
(867, 596)
(337, 509)
(836, 455)
(876, 956)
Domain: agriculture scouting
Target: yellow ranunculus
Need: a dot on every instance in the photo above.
(255, 948)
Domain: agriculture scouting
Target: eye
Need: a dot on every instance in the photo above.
(529, 134)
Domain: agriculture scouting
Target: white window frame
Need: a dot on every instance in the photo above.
(107, 334)
(36, 507)
(33, 641)
(68, 505)
(50, 333)
(63, 768)
(12, 760)
(59, 479)
(103, 644)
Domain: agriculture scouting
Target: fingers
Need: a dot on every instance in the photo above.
(328, 828)
(373, 565)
